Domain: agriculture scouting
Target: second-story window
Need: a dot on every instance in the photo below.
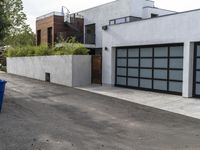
(154, 15)
(90, 37)
(112, 22)
(121, 20)
(38, 37)
(124, 20)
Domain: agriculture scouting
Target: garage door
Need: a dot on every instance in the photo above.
(196, 91)
(155, 68)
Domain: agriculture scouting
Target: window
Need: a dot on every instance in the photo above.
(49, 36)
(90, 34)
(38, 37)
(124, 20)
(154, 15)
(121, 20)
(112, 22)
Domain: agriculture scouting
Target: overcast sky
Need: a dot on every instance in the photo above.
(35, 8)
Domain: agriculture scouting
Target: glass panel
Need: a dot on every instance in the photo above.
(134, 52)
(175, 75)
(160, 85)
(160, 63)
(160, 74)
(121, 20)
(198, 76)
(176, 51)
(121, 71)
(121, 81)
(133, 82)
(128, 19)
(121, 52)
(146, 52)
(112, 22)
(146, 73)
(175, 87)
(198, 89)
(176, 63)
(198, 50)
(198, 63)
(133, 62)
(133, 72)
(161, 52)
(146, 63)
(146, 83)
(121, 62)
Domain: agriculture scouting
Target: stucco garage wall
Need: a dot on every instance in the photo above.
(168, 29)
(65, 70)
(179, 28)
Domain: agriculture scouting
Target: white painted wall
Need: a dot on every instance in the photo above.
(188, 69)
(149, 3)
(147, 11)
(101, 15)
(179, 28)
(65, 70)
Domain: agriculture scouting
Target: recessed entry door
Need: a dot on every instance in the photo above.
(97, 69)
(155, 68)
(196, 88)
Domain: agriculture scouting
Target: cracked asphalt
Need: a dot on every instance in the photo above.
(43, 116)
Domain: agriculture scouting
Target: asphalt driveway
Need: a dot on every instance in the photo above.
(44, 116)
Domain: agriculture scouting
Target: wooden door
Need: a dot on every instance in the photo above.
(96, 69)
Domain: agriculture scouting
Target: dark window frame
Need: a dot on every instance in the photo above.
(50, 36)
(93, 41)
(39, 34)
(127, 19)
(153, 15)
(194, 94)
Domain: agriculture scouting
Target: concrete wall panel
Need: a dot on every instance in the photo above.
(65, 70)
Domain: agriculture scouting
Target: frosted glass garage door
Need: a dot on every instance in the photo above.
(196, 91)
(156, 68)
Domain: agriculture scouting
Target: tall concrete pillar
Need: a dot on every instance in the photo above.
(188, 63)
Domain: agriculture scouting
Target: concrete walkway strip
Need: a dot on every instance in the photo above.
(172, 103)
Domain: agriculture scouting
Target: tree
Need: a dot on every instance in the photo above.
(23, 38)
(4, 23)
(13, 25)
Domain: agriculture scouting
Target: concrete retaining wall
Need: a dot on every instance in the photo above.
(64, 70)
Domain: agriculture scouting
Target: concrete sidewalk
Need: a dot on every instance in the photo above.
(172, 103)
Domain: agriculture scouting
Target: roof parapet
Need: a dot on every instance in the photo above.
(50, 14)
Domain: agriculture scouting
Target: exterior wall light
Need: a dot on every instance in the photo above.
(105, 28)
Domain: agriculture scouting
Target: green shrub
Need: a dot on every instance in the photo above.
(43, 50)
(81, 51)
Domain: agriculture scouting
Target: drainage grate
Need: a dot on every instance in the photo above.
(47, 77)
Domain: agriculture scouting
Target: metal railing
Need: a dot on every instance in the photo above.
(71, 17)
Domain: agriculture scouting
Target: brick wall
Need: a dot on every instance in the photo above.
(59, 26)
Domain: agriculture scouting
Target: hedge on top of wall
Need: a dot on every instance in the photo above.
(44, 50)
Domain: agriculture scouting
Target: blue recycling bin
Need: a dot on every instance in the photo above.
(2, 90)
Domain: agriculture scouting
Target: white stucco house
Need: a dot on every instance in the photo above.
(134, 45)
(146, 47)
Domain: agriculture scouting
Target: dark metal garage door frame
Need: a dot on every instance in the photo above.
(195, 70)
(168, 68)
